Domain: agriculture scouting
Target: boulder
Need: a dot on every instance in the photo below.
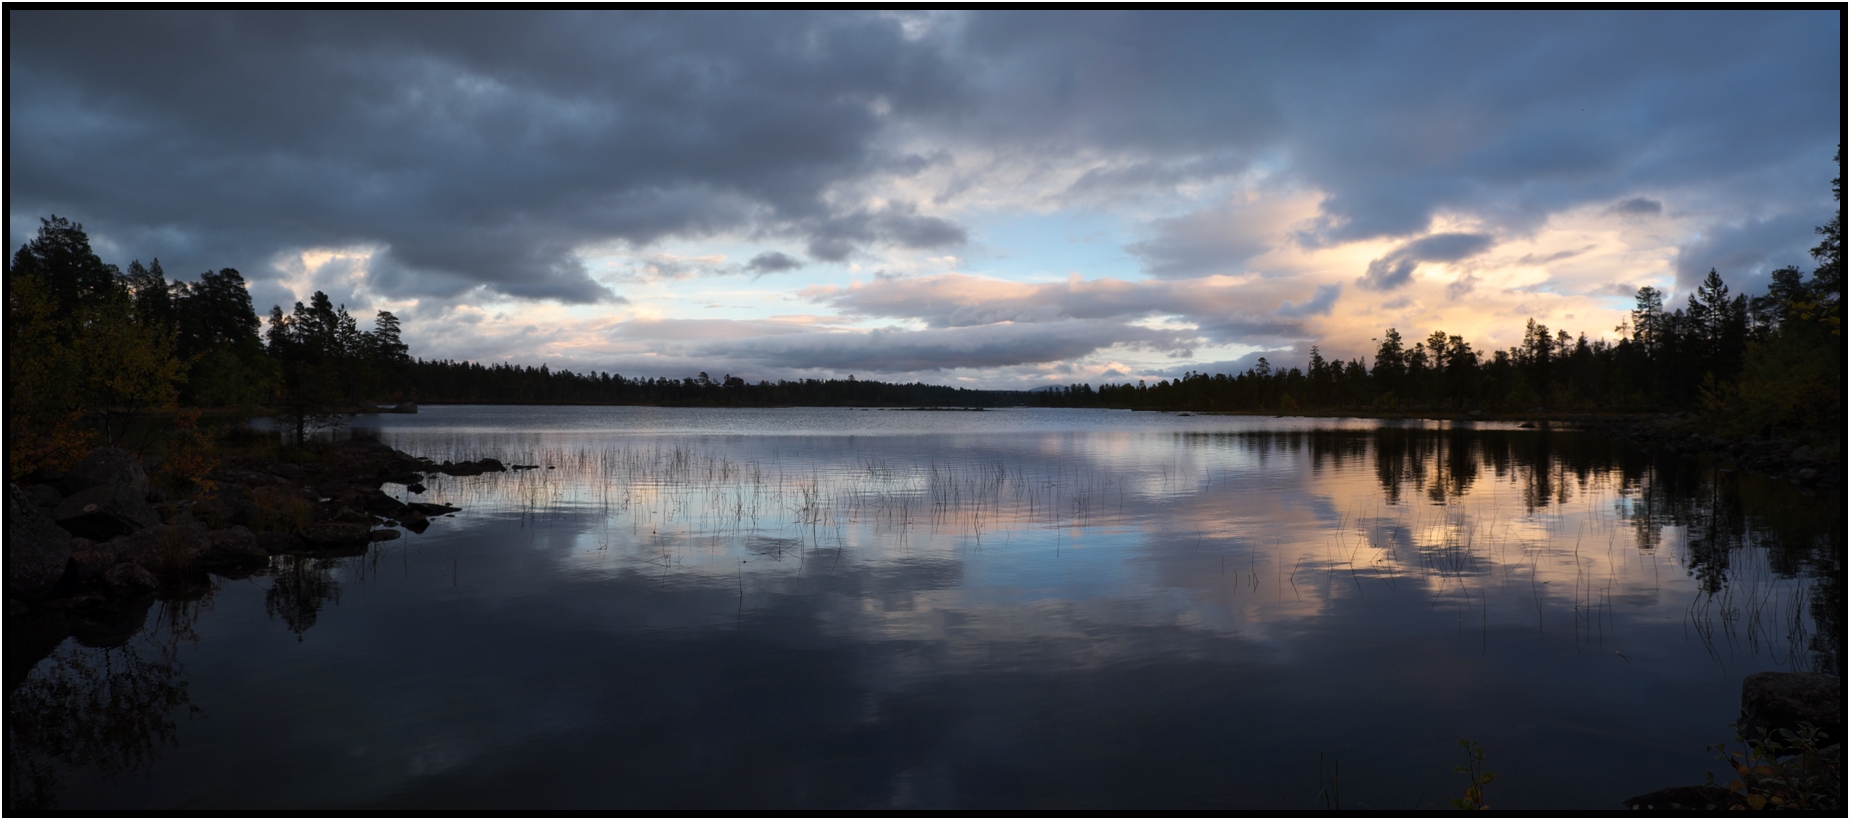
(43, 496)
(106, 511)
(36, 547)
(89, 560)
(128, 579)
(335, 534)
(379, 503)
(413, 520)
(1684, 798)
(384, 535)
(233, 546)
(107, 465)
(433, 509)
(405, 407)
(1771, 701)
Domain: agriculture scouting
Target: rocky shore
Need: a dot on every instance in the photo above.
(1682, 434)
(100, 539)
(1771, 702)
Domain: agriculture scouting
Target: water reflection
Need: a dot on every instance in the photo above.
(299, 587)
(1062, 618)
(102, 710)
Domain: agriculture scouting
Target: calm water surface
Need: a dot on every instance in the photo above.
(1070, 609)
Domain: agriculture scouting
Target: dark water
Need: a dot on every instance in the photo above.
(834, 609)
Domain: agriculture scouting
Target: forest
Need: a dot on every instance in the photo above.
(94, 351)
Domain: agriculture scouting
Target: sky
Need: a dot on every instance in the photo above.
(998, 200)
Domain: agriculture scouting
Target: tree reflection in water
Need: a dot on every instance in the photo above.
(299, 588)
(107, 710)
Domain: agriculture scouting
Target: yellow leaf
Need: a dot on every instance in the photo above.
(1736, 785)
(1767, 770)
(1756, 801)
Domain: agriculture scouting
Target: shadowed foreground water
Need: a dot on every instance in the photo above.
(838, 609)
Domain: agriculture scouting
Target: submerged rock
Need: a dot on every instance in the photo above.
(1771, 701)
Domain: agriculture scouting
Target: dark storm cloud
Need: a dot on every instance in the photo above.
(473, 148)
(1746, 253)
(833, 239)
(1511, 115)
(1638, 206)
(1396, 268)
(1318, 305)
(772, 262)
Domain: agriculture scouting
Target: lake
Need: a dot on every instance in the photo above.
(818, 609)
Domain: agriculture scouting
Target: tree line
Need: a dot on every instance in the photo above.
(446, 381)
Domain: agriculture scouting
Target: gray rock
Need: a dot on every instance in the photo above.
(107, 465)
(36, 547)
(43, 496)
(413, 520)
(1771, 701)
(130, 578)
(384, 535)
(1803, 453)
(405, 407)
(106, 511)
(233, 545)
(1686, 798)
(1808, 475)
(335, 534)
(433, 509)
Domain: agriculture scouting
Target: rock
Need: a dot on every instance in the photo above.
(384, 535)
(416, 488)
(1683, 798)
(335, 534)
(491, 465)
(405, 407)
(1808, 476)
(413, 520)
(1771, 701)
(233, 545)
(126, 578)
(107, 465)
(36, 547)
(433, 509)
(43, 496)
(379, 503)
(106, 511)
(349, 515)
(1527, 425)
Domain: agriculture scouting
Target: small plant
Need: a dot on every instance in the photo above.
(1473, 768)
(190, 457)
(1792, 770)
(278, 511)
(176, 551)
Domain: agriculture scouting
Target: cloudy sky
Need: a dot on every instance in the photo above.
(990, 200)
